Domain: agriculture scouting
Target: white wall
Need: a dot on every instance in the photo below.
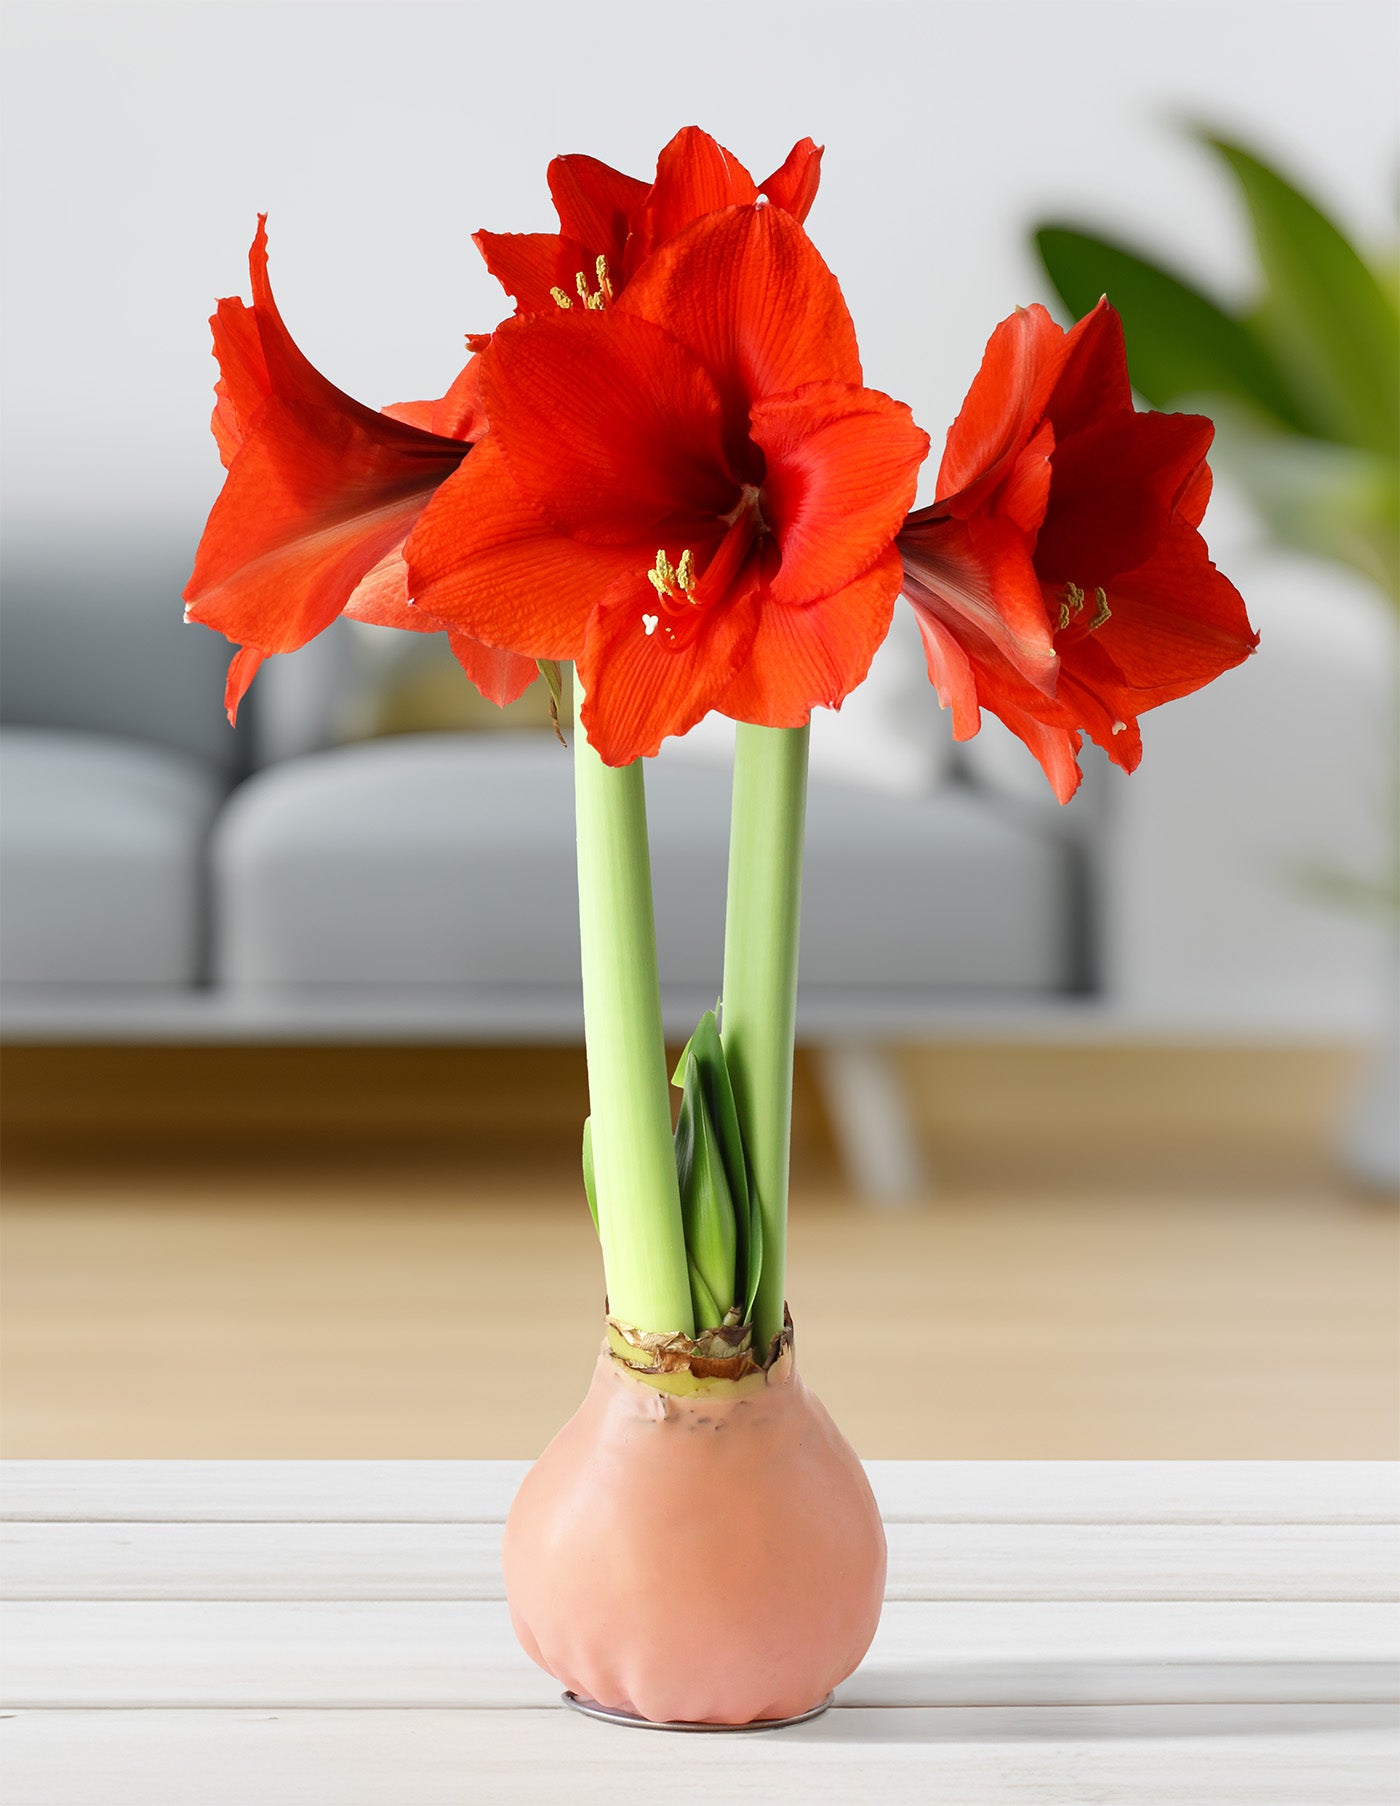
(140, 141)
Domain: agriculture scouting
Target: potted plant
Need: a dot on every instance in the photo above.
(665, 469)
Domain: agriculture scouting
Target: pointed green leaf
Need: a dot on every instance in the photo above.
(590, 1184)
(754, 1254)
(1327, 319)
(1180, 342)
(707, 1050)
(708, 1315)
(702, 1062)
(707, 1206)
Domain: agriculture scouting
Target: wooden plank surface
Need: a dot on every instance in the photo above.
(332, 1634)
(926, 1561)
(1160, 1492)
(186, 1653)
(1130, 1756)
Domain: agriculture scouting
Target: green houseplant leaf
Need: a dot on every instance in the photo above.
(716, 1198)
(1180, 342)
(1325, 315)
(707, 1203)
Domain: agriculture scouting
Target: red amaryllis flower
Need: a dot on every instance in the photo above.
(609, 223)
(689, 492)
(320, 496)
(1059, 579)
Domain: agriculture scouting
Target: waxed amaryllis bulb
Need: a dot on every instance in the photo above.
(714, 1558)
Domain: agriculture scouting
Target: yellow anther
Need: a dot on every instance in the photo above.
(672, 581)
(1071, 601)
(662, 576)
(1102, 612)
(594, 300)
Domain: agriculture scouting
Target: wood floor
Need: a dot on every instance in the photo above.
(1128, 1253)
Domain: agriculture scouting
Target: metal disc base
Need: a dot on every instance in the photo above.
(591, 1709)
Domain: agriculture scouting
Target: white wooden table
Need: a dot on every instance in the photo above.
(333, 1634)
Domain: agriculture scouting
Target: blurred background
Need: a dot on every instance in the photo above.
(1095, 1130)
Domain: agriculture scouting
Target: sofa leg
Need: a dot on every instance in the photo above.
(870, 1118)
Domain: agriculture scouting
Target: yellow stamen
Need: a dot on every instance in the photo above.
(594, 300)
(672, 582)
(1072, 603)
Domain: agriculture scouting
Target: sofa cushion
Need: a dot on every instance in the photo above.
(94, 641)
(447, 859)
(101, 860)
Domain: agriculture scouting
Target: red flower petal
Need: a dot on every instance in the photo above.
(843, 465)
(243, 668)
(243, 384)
(381, 599)
(528, 265)
(1115, 489)
(793, 185)
(694, 176)
(290, 375)
(1004, 406)
(951, 672)
(411, 413)
(1092, 696)
(500, 676)
(1056, 748)
(977, 574)
(1024, 494)
(1176, 624)
(597, 206)
(609, 428)
(747, 292)
(801, 657)
(311, 502)
(457, 415)
(1195, 495)
(967, 686)
(638, 688)
(1092, 385)
(319, 489)
(485, 561)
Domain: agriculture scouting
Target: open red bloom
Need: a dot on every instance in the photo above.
(320, 496)
(689, 492)
(605, 215)
(1059, 579)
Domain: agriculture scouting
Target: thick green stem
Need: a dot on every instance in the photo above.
(639, 1206)
(760, 978)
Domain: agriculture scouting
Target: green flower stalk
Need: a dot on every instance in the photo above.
(760, 980)
(629, 1154)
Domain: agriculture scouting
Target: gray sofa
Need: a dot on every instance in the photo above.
(164, 878)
